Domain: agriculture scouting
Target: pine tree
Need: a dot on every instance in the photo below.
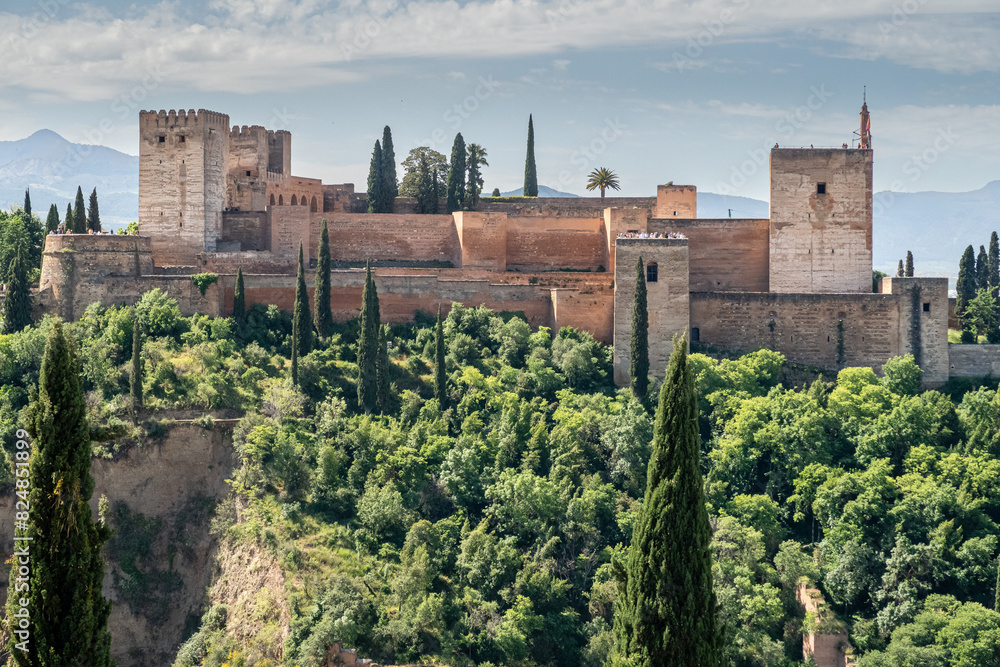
(530, 175)
(966, 289)
(321, 296)
(665, 613)
(909, 264)
(239, 298)
(79, 213)
(456, 176)
(368, 345)
(301, 319)
(17, 305)
(68, 614)
(639, 357)
(993, 333)
(93, 213)
(69, 224)
(136, 376)
(52, 222)
(376, 182)
(982, 269)
(27, 204)
(391, 185)
(900, 271)
(382, 370)
(440, 377)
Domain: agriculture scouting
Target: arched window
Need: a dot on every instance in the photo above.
(281, 200)
(294, 201)
(652, 273)
(272, 199)
(312, 205)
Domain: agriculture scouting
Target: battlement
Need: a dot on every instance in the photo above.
(162, 119)
(250, 132)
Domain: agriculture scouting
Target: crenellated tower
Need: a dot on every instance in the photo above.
(183, 164)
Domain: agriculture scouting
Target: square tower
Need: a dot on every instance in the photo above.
(183, 163)
(821, 220)
(665, 269)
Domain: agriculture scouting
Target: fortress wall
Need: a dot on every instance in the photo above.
(974, 360)
(923, 323)
(574, 207)
(676, 201)
(307, 190)
(727, 254)
(290, 226)
(540, 244)
(357, 237)
(483, 238)
(337, 197)
(803, 327)
(588, 311)
(251, 229)
(227, 263)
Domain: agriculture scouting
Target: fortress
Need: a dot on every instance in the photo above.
(215, 198)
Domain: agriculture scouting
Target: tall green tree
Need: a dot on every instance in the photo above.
(391, 185)
(982, 269)
(475, 160)
(17, 304)
(52, 222)
(301, 319)
(966, 288)
(603, 179)
(456, 177)
(368, 345)
(69, 616)
(440, 377)
(666, 609)
(900, 271)
(69, 224)
(79, 213)
(436, 162)
(376, 182)
(27, 203)
(136, 375)
(909, 264)
(321, 296)
(93, 213)
(239, 298)
(530, 174)
(639, 353)
(993, 335)
(427, 192)
(382, 370)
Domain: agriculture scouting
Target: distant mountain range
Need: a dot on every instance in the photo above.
(53, 167)
(936, 226)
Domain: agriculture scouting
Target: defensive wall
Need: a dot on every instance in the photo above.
(974, 360)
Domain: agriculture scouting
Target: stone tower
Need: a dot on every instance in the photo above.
(821, 220)
(183, 164)
(666, 269)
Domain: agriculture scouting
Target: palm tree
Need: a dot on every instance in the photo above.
(603, 178)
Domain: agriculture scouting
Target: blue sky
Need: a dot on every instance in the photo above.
(693, 91)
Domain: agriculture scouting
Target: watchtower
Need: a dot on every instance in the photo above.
(183, 163)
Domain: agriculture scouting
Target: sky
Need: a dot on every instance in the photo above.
(690, 91)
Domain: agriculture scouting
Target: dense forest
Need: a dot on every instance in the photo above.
(484, 528)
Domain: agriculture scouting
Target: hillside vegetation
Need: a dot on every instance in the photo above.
(484, 531)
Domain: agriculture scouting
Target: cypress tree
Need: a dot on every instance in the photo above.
(993, 334)
(93, 213)
(389, 168)
(456, 176)
(68, 613)
(376, 182)
(136, 376)
(909, 264)
(301, 319)
(440, 377)
(982, 269)
(239, 298)
(900, 271)
(382, 370)
(52, 222)
(639, 357)
(17, 305)
(368, 345)
(436, 189)
(665, 614)
(966, 289)
(530, 175)
(27, 204)
(69, 224)
(426, 188)
(79, 213)
(321, 296)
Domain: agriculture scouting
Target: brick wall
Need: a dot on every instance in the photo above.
(251, 229)
(357, 237)
(547, 244)
(727, 254)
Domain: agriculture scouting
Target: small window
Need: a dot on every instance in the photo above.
(181, 139)
(695, 334)
(927, 307)
(162, 139)
(248, 172)
(652, 273)
(675, 213)
(821, 188)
